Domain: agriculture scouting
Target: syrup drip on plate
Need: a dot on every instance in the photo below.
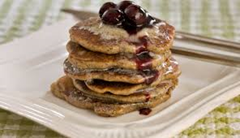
(145, 111)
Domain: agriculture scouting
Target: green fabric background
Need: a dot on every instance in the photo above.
(215, 18)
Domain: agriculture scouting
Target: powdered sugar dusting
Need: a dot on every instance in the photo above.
(109, 32)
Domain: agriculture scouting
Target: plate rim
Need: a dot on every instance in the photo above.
(26, 111)
(60, 128)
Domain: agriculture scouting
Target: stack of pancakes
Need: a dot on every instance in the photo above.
(113, 72)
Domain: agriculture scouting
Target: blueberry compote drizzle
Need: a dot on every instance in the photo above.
(142, 57)
(143, 60)
(133, 30)
(148, 97)
(150, 75)
(133, 18)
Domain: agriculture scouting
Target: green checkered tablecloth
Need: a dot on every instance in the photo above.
(215, 18)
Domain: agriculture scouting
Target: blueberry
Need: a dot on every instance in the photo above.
(106, 6)
(136, 15)
(113, 17)
(124, 4)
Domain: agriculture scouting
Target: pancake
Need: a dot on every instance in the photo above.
(147, 95)
(64, 89)
(96, 36)
(85, 59)
(114, 74)
(119, 64)
(111, 74)
(122, 88)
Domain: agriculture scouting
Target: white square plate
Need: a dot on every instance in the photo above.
(29, 65)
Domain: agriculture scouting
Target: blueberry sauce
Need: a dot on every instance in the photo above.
(145, 111)
(150, 76)
(132, 30)
(142, 44)
(133, 18)
(143, 60)
(147, 97)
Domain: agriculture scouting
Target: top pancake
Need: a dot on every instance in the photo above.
(96, 36)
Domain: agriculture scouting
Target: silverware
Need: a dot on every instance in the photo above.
(82, 15)
(183, 38)
(216, 43)
(207, 56)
